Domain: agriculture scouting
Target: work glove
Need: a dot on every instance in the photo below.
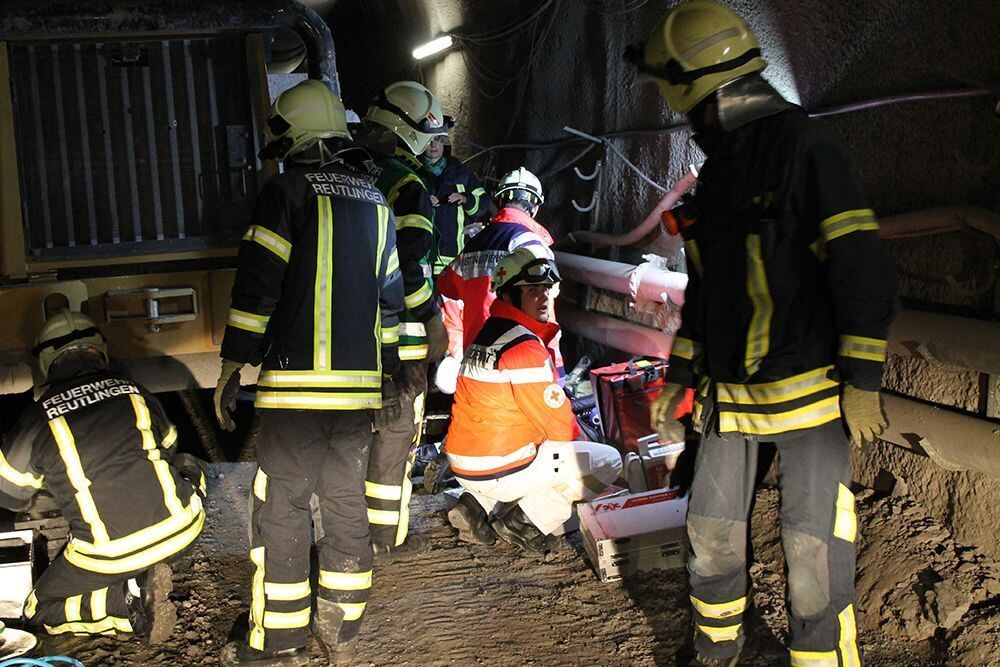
(863, 415)
(391, 406)
(225, 393)
(437, 338)
(662, 413)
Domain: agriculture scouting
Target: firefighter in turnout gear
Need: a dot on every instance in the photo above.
(514, 438)
(399, 124)
(456, 195)
(106, 451)
(788, 304)
(315, 304)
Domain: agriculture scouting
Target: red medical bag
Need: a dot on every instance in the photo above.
(625, 393)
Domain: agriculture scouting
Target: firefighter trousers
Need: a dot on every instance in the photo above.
(69, 599)
(562, 474)
(301, 453)
(388, 486)
(818, 531)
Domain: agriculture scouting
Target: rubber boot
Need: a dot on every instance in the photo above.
(515, 528)
(469, 518)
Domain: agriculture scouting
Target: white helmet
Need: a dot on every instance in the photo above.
(301, 116)
(521, 184)
(411, 112)
(67, 330)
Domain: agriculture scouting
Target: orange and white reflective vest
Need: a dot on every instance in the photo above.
(507, 401)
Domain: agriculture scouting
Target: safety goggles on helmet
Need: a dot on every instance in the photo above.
(426, 125)
(541, 271)
(536, 271)
(675, 74)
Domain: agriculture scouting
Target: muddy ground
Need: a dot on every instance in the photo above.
(923, 599)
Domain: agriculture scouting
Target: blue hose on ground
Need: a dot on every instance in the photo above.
(47, 661)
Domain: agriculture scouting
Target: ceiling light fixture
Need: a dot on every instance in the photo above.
(434, 46)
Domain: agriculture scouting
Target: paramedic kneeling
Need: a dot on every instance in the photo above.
(513, 437)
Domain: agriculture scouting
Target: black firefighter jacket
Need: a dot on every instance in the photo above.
(790, 290)
(102, 446)
(317, 291)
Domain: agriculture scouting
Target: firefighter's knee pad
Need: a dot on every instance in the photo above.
(808, 573)
(718, 546)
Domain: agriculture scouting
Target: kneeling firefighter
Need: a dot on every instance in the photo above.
(104, 448)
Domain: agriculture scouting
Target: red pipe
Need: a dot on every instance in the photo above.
(618, 334)
(939, 220)
(652, 220)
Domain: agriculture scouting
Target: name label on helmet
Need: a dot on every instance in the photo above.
(332, 184)
(85, 395)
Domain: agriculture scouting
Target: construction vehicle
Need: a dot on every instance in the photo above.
(129, 136)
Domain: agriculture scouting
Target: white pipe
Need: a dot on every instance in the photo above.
(939, 220)
(652, 220)
(618, 334)
(952, 440)
(644, 280)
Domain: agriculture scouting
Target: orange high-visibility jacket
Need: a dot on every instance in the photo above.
(507, 401)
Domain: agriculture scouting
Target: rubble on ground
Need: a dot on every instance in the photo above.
(923, 598)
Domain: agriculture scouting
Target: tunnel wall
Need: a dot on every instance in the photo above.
(820, 54)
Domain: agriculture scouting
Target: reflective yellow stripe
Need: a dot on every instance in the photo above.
(345, 581)
(412, 352)
(330, 378)
(846, 524)
(403, 524)
(257, 600)
(848, 638)
(352, 610)
(859, 347)
(74, 470)
(251, 322)
(393, 192)
(99, 604)
(726, 634)
(107, 625)
(390, 335)
(684, 348)
(813, 658)
(296, 591)
(141, 560)
(694, 254)
(759, 332)
(270, 240)
(383, 491)
(842, 224)
(383, 517)
(304, 400)
(282, 620)
(421, 295)
(8, 472)
(143, 422)
(141, 538)
(383, 229)
(260, 485)
(477, 193)
(322, 318)
(414, 221)
(170, 438)
(814, 414)
(779, 391)
(393, 265)
(30, 605)
(73, 608)
(719, 609)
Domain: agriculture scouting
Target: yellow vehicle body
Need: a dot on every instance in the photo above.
(128, 171)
